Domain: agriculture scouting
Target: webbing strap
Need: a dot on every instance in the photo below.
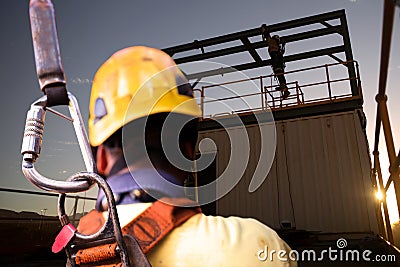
(149, 228)
(97, 254)
(56, 95)
(158, 220)
(91, 222)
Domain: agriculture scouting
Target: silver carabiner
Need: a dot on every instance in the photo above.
(32, 143)
(127, 247)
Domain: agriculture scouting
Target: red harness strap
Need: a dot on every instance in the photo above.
(149, 228)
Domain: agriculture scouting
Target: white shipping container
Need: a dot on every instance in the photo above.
(319, 179)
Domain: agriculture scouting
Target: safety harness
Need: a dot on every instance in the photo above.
(149, 228)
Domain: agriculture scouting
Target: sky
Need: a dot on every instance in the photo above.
(91, 30)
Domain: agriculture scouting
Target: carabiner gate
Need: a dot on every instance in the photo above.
(32, 143)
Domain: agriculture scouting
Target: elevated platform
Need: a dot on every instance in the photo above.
(323, 96)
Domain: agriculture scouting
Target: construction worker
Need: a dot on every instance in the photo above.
(134, 93)
(276, 49)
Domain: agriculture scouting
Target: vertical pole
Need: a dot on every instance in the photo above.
(202, 102)
(329, 82)
(359, 80)
(387, 130)
(75, 209)
(381, 98)
(349, 54)
(388, 226)
(263, 95)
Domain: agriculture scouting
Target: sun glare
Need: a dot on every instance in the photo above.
(379, 195)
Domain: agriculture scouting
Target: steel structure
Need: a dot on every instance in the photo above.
(382, 119)
(205, 49)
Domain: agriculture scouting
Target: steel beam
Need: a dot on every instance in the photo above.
(256, 45)
(339, 26)
(195, 45)
(267, 62)
(251, 49)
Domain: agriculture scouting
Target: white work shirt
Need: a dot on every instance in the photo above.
(214, 241)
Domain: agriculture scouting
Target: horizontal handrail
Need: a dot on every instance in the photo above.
(287, 72)
(271, 98)
(20, 191)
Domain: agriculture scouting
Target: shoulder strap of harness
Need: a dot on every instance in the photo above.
(149, 228)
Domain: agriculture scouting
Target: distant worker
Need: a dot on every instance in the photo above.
(139, 84)
(276, 49)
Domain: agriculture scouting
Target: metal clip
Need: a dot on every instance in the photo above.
(128, 249)
(32, 143)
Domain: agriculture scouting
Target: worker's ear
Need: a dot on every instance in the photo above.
(101, 160)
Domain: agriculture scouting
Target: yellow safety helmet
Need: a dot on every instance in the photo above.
(136, 82)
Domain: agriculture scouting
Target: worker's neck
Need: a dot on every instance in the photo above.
(159, 164)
